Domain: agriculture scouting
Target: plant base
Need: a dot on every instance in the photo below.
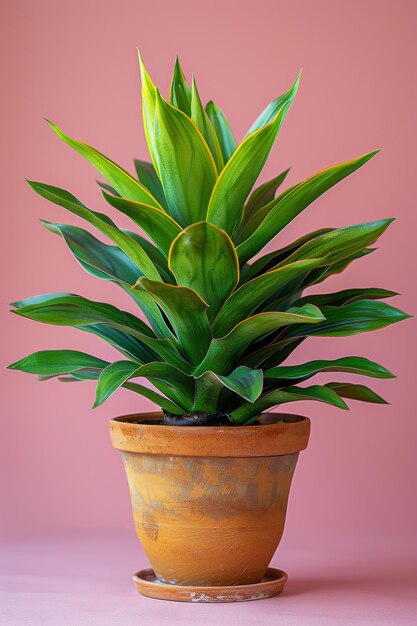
(271, 585)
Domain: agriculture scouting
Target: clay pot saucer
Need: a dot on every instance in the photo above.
(271, 585)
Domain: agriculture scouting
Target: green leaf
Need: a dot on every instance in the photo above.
(87, 314)
(180, 92)
(157, 224)
(170, 378)
(204, 259)
(356, 392)
(340, 243)
(123, 182)
(244, 381)
(113, 377)
(248, 412)
(154, 254)
(223, 352)
(203, 123)
(222, 129)
(263, 194)
(148, 111)
(163, 403)
(149, 178)
(269, 113)
(111, 263)
(122, 240)
(208, 393)
(352, 364)
(271, 354)
(131, 347)
(96, 257)
(346, 296)
(73, 310)
(174, 383)
(350, 319)
(240, 173)
(209, 388)
(45, 297)
(294, 202)
(54, 362)
(272, 259)
(107, 187)
(322, 273)
(252, 294)
(80, 375)
(337, 249)
(185, 164)
(186, 312)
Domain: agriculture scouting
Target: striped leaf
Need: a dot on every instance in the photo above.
(204, 259)
(222, 129)
(181, 150)
(203, 123)
(248, 413)
(157, 224)
(293, 203)
(240, 173)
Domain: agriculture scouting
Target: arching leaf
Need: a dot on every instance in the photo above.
(352, 365)
(156, 398)
(346, 296)
(110, 263)
(225, 351)
(157, 224)
(172, 382)
(55, 362)
(250, 296)
(85, 314)
(131, 347)
(73, 310)
(350, 319)
(122, 240)
(294, 202)
(268, 261)
(123, 182)
(356, 392)
(340, 243)
(96, 257)
(248, 413)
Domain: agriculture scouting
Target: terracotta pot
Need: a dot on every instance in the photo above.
(209, 503)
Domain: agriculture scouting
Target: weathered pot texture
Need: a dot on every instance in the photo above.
(209, 503)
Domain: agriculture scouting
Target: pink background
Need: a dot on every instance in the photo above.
(75, 63)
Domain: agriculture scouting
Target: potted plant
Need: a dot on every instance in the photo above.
(209, 474)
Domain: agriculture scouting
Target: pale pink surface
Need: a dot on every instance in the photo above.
(75, 63)
(334, 580)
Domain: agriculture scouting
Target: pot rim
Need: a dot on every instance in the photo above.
(271, 438)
